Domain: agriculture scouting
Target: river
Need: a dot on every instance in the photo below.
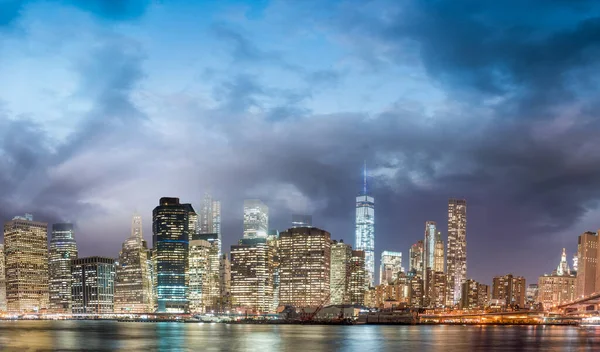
(109, 336)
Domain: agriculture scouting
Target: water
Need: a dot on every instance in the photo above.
(106, 336)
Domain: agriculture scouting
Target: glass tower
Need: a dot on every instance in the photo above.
(173, 224)
(457, 248)
(62, 249)
(210, 218)
(365, 230)
(256, 219)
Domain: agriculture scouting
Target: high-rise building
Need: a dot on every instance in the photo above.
(457, 247)
(304, 267)
(432, 236)
(436, 289)
(198, 270)
(474, 295)
(210, 218)
(210, 279)
(224, 283)
(173, 224)
(558, 287)
(2, 280)
(510, 289)
(341, 256)
(356, 287)
(252, 275)
(391, 267)
(587, 268)
(26, 254)
(438, 258)
(301, 220)
(416, 258)
(93, 285)
(62, 249)
(133, 281)
(256, 219)
(365, 229)
(416, 291)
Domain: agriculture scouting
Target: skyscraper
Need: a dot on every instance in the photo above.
(26, 248)
(365, 229)
(210, 279)
(341, 256)
(62, 249)
(133, 281)
(252, 275)
(457, 248)
(173, 224)
(198, 270)
(431, 238)
(356, 287)
(390, 267)
(256, 219)
(210, 218)
(416, 258)
(2, 280)
(304, 267)
(587, 263)
(93, 285)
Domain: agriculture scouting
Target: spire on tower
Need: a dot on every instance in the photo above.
(365, 179)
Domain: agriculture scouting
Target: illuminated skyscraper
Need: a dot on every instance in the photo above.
(133, 282)
(2, 280)
(210, 218)
(252, 275)
(341, 254)
(256, 219)
(356, 287)
(587, 263)
(93, 285)
(432, 236)
(26, 252)
(62, 249)
(207, 245)
(365, 229)
(457, 248)
(390, 267)
(173, 224)
(198, 270)
(438, 258)
(416, 258)
(304, 267)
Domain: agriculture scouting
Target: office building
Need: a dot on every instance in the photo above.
(256, 219)
(252, 276)
(510, 290)
(356, 287)
(2, 280)
(436, 289)
(224, 284)
(133, 282)
(416, 258)
(391, 267)
(341, 257)
(438, 257)
(198, 270)
(587, 268)
(457, 248)
(365, 229)
(93, 285)
(558, 287)
(210, 218)
(26, 260)
(173, 225)
(304, 267)
(62, 249)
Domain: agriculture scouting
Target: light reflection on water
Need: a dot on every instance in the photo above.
(105, 336)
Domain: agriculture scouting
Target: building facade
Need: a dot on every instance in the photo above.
(2, 280)
(198, 269)
(256, 219)
(457, 248)
(224, 283)
(587, 264)
(173, 223)
(304, 267)
(510, 289)
(62, 250)
(365, 230)
(391, 267)
(252, 264)
(341, 257)
(558, 287)
(134, 291)
(26, 260)
(416, 258)
(93, 285)
(210, 218)
(356, 287)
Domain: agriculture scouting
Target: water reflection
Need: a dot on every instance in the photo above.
(105, 336)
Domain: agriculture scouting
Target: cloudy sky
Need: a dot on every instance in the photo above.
(105, 106)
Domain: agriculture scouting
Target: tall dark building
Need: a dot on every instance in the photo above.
(62, 249)
(93, 285)
(173, 224)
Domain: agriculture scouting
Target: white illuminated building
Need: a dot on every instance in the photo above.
(365, 230)
(391, 267)
(256, 219)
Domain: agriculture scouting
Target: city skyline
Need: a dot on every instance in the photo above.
(103, 112)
